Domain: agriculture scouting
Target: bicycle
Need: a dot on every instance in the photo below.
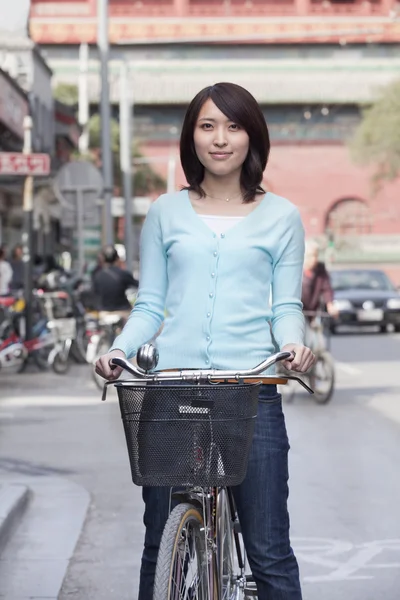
(321, 377)
(210, 416)
(104, 331)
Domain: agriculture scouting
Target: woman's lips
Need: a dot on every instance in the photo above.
(220, 155)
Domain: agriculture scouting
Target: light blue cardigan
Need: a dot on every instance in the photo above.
(215, 290)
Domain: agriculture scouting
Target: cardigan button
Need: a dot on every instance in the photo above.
(215, 253)
(211, 295)
(222, 235)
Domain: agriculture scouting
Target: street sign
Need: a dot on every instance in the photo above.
(17, 163)
(79, 185)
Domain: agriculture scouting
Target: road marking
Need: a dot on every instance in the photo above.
(54, 401)
(348, 369)
(324, 552)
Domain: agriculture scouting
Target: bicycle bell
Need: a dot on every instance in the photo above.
(147, 357)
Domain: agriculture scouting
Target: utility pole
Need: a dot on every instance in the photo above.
(105, 116)
(27, 236)
(83, 101)
(125, 132)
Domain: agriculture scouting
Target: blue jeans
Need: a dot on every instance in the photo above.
(261, 502)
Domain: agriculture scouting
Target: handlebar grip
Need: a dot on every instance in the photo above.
(117, 361)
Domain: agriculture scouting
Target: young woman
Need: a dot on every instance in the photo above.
(210, 256)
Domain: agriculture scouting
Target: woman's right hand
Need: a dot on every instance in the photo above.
(103, 367)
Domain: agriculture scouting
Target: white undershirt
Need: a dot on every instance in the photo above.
(220, 223)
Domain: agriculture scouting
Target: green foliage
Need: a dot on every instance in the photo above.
(145, 180)
(377, 140)
(95, 133)
(66, 93)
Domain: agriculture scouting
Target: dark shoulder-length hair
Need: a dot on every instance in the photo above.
(241, 108)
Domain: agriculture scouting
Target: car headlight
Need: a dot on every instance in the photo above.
(393, 303)
(343, 304)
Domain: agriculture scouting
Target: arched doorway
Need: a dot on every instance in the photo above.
(348, 217)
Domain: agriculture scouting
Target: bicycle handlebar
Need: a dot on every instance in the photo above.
(181, 374)
(211, 375)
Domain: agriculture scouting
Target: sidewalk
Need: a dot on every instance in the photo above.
(14, 498)
(38, 536)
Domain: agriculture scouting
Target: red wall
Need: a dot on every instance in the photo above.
(315, 177)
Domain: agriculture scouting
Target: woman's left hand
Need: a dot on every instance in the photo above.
(303, 358)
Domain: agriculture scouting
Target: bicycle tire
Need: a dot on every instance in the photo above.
(322, 397)
(41, 358)
(79, 346)
(172, 561)
(61, 363)
(225, 544)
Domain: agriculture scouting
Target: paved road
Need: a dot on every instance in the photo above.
(345, 487)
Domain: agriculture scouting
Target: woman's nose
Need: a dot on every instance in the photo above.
(220, 138)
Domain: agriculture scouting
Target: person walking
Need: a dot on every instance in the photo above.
(17, 265)
(210, 254)
(5, 273)
(110, 284)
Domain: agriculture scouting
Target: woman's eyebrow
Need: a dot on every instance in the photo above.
(215, 120)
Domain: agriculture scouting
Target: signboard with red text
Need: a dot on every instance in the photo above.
(16, 163)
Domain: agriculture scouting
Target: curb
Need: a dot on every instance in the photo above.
(13, 502)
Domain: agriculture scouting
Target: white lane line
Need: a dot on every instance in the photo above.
(348, 369)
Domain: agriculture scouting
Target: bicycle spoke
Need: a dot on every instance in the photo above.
(185, 580)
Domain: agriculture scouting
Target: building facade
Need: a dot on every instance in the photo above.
(312, 65)
(25, 88)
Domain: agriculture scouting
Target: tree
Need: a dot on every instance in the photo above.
(145, 180)
(377, 139)
(66, 93)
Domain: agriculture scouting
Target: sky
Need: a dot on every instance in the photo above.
(14, 15)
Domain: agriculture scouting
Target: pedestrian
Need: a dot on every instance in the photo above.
(317, 290)
(110, 284)
(209, 255)
(5, 273)
(17, 265)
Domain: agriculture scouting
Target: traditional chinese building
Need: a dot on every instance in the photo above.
(310, 63)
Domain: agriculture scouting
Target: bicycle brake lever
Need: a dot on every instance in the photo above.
(302, 383)
(117, 361)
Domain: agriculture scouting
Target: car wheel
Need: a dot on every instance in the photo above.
(383, 328)
(333, 329)
(397, 327)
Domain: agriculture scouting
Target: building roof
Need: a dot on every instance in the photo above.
(271, 81)
(17, 41)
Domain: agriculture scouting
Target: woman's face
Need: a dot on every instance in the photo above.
(221, 145)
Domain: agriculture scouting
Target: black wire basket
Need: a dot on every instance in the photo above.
(188, 435)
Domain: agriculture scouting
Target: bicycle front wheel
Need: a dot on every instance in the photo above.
(182, 570)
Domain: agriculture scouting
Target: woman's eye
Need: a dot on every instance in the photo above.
(235, 126)
(206, 126)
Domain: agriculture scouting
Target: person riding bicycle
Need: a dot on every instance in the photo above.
(317, 291)
(209, 256)
(110, 284)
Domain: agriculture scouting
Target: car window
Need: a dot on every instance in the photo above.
(360, 280)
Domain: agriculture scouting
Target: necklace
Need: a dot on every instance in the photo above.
(224, 199)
